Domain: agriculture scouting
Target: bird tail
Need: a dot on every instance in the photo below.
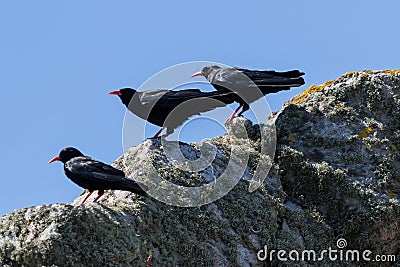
(286, 74)
(279, 82)
(290, 78)
(268, 73)
(134, 187)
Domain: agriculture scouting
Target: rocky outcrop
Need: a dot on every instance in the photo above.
(335, 175)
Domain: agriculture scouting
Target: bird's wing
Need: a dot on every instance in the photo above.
(196, 97)
(151, 96)
(172, 108)
(228, 75)
(254, 74)
(90, 173)
(166, 99)
(274, 78)
(163, 97)
(185, 104)
(94, 170)
(183, 94)
(231, 79)
(240, 78)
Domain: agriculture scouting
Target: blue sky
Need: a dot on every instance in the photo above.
(60, 58)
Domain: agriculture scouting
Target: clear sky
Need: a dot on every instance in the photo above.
(58, 60)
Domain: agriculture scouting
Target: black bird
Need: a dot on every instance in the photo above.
(169, 109)
(245, 82)
(94, 175)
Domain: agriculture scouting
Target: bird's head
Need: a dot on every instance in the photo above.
(66, 154)
(125, 94)
(206, 71)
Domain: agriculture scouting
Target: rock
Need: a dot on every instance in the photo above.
(335, 175)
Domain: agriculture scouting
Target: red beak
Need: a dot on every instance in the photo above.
(54, 159)
(196, 74)
(115, 93)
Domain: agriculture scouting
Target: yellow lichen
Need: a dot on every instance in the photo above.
(312, 89)
(391, 72)
(340, 105)
(369, 130)
(366, 132)
(365, 73)
(228, 143)
(350, 73)
(319, 88)
(291, 138)
(390, 194)
(362, 74)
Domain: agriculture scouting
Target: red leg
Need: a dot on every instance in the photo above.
(158, 133)
(101, 192)
(234, 114)
(90, 192)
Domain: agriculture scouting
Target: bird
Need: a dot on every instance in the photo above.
(169, 109)
(94, 175)
(245, 82)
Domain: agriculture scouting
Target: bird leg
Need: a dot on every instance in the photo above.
(100, 193)
(90, 192)
(245, 108)
(158, 133)
(234, 114)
